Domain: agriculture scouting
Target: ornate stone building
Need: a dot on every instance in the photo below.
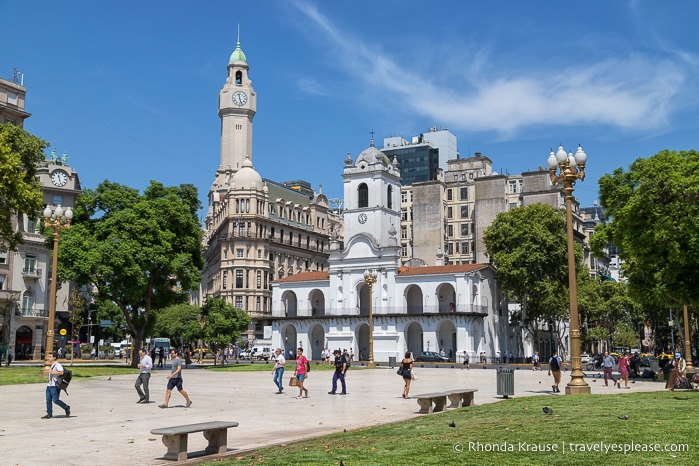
(257, 230)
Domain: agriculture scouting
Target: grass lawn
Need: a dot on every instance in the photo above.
(32, 374)
(514, 432)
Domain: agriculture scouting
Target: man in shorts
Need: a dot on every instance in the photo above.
(175, 380)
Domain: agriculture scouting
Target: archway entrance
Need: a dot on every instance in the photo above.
(23, 343)
(413, 338)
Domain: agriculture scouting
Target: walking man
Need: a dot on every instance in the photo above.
(466, 362)
(52, 392)
(145, 367)
(555, 365)
(608, 368)
(175, 380)
(278, 371)
(340, 369)
(301, 372)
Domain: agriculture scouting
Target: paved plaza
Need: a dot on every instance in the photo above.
(107, 427)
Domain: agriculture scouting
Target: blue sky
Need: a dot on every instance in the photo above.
(130, 89)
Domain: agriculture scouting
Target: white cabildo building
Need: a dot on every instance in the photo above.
(414, 308)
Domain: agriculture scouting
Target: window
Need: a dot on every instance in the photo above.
(513, 186)
(239, 253)
(404, 197)
(404, 215)
(363, 195)
(30, 264)
(57, 200)
(464, 211)
(450, 230)
(464, 247)
(449, 195)
(259, 253)
(239, 302)
(27, 303)
(456, 177)
(12, 98)
(449, 212)
(225, 279)
(3, 257)
(389, 195)
(2, 282)
(464, 229)
(259, 279)
(239, 278)
(463, 193)
(257, 304)
(450, 249)
(403, 232)
(404, 251)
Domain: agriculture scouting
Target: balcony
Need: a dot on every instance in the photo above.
(31, 272)
(31, 312)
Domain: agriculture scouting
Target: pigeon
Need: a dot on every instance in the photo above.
(110, 378)
(451, 424)
(547, 410)
(624, 417)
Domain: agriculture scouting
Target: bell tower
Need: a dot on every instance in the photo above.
(237, 104)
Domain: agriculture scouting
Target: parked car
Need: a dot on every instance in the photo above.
(261, 353)
(584, 358)
(431, 356)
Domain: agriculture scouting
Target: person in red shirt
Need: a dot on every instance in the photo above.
(301, 372)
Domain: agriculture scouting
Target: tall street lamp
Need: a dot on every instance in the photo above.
(687, 346)
(57, 220)
(571, 168)
(370, 279)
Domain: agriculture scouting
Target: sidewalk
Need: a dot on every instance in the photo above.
(107, 427)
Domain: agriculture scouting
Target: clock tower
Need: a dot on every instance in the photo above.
(237, 104)
(372, 190)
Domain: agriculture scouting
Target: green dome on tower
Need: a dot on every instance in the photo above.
(238, 54)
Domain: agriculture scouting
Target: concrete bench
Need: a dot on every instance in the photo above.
(461, 397)
(436, 402)
(175, 438)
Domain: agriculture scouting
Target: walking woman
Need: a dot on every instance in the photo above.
(624, 370)
(407, 366)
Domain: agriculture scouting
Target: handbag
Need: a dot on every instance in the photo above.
(400, 370)
(412, 375)
(292, 381)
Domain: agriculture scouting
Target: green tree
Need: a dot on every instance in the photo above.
(654, 210)
(178, 321)
(223, 322)
(626, 336)
(76, 315)
(528, 247)
(141, 252)
(20, 191)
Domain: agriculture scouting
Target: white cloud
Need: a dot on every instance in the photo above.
(636, 92)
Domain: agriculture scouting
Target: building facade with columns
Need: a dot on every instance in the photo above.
(420, 308)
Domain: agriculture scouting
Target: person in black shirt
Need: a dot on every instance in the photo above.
(340, 369)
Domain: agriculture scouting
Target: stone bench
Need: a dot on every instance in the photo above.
(175, 438)
(436, 402)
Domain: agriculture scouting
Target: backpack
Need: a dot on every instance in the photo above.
(63, 381)
(308, 365)
(554, 364)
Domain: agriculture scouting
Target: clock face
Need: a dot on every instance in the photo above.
(59, 177)
(362, 218)
(239, 98)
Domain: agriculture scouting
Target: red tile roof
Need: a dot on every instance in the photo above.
(440, 269)
(305, 277)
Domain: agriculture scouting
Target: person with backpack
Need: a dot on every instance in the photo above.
(555, 365)
(340, 369)
(52, 392)
(301, 372)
